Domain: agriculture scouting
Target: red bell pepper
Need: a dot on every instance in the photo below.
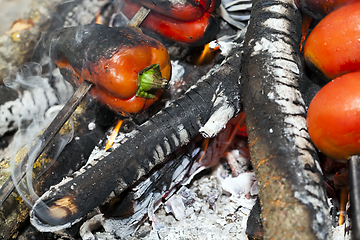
(128, 68)
(196, 33)
(188, 10)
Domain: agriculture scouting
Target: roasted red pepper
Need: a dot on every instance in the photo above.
(128, 68)
(196, 32)
(188, 10)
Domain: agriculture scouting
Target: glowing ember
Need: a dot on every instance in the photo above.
(207, 55)
(343, 200)
(113, 135)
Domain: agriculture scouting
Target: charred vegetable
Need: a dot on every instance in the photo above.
(196, 32)
(320, 8)
(333, 117)
(333, 47)
(188, 10)
(128, 68)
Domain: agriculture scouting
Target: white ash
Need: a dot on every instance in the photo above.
(33, 102)
(219, 118)
(202, 209)
(177, 76)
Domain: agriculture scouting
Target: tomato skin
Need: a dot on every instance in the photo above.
(333, 117)
(318, 9)
(113, 70)
(196, 33)
(333, 47)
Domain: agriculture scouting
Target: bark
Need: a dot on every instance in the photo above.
(214, 99)
(291, 187)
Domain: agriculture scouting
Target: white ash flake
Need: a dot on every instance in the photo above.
(183, 134)
(175, 140)
(225, 46)
(280, 25)
(226, 219)
(278, 47)
(167, 145)
(158, 154)
(177, 72)
(217, 121)
(276, 9)
(91, 126)
(219, 118)
(339, 233)
(288, 65)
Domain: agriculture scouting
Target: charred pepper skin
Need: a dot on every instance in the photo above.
(188, 10)
(195, 33)
(111, 58)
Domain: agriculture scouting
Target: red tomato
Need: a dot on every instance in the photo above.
(320, 8)
(333, 117)
(333, 47)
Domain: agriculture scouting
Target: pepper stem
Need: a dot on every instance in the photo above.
(150, 79)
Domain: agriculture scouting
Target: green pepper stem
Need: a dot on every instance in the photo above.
(150, 80)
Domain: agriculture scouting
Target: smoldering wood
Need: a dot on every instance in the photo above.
(149, 144)
(14, 212)
(17, 48)
(17, 44)
(131, 207)
(291, 187)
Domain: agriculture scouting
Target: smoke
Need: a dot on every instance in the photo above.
(42, 102)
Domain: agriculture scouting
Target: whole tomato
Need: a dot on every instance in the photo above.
(320, 8)
(333, 47)
(333, 117)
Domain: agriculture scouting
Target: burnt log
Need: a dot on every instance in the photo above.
(50, 169)
(290, 182)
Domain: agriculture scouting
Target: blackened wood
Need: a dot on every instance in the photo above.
(354, 180)
(46, 137)
(291, 187)
(254, 227)
(150, 143)
(14, 212)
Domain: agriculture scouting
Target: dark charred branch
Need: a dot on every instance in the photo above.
(291, 187)
(205, 108)
(14, 212)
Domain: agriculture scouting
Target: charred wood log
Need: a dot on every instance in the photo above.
(291, 187)
(205, 108)
(15, 212)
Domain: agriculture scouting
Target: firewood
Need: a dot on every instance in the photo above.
(290, 182)
(14, 212)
